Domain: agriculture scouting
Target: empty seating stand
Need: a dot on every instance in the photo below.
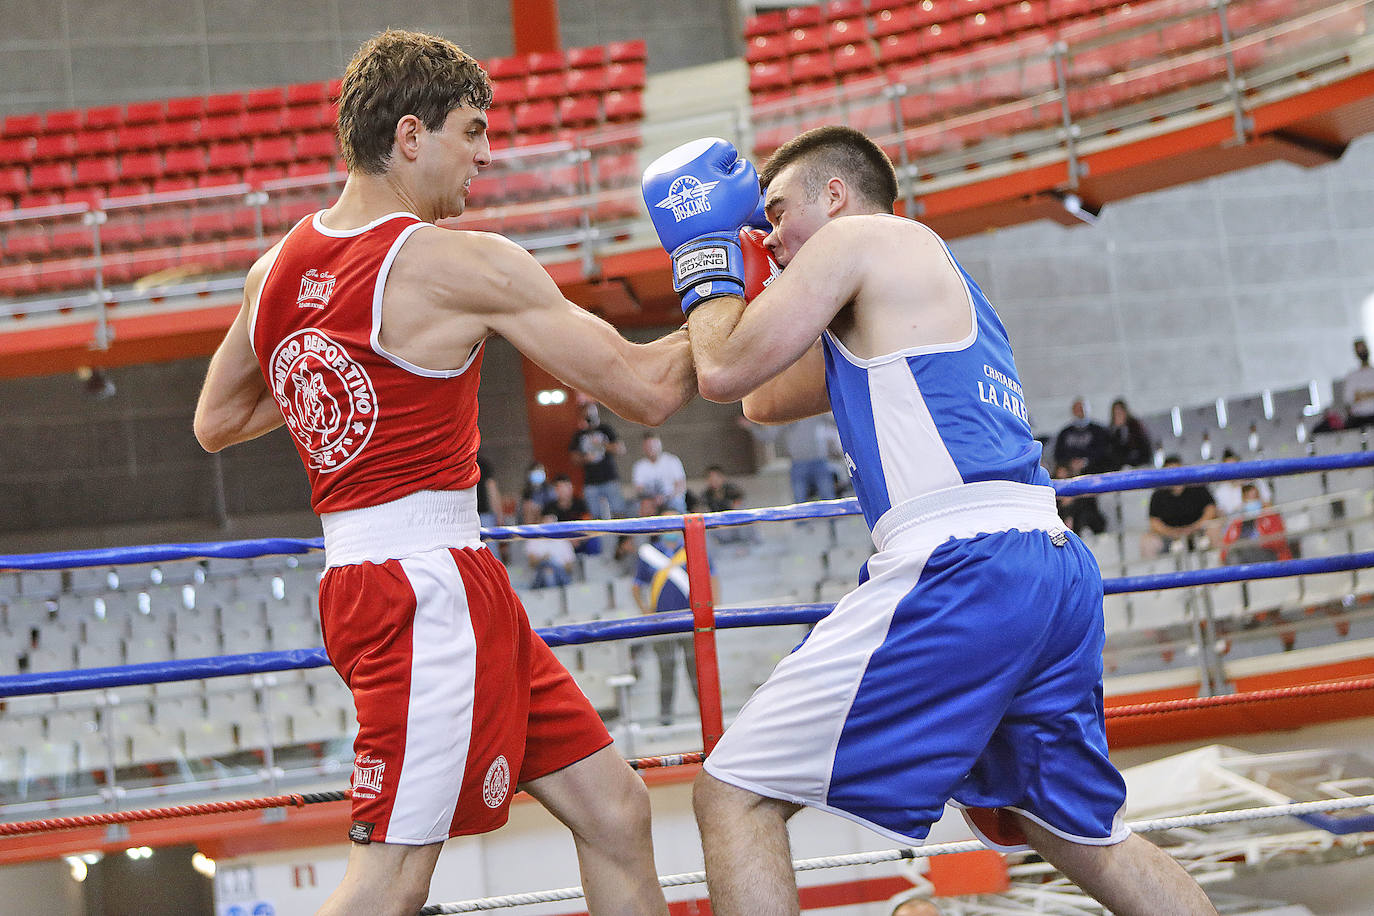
(198, 156)
(805, 53)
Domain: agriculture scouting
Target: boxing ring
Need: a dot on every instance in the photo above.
(1337, 815)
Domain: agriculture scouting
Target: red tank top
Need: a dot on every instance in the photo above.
(370, 427)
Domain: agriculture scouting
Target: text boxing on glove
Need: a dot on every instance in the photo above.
(699, 195)
(759, 267)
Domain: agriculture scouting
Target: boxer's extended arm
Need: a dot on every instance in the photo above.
(737, 349)
(235, 403)
(516, 298)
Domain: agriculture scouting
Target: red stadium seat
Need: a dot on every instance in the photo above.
(854, 59)
(332, 89)
(981, 27)
(177, 133)
(54, 146)
(539, 86)
(143, 113)
(271, 151)
(586, 82)
(67, 276)
(25, 125)
(187, 160)
(836, 10)
(50, 176)
(581, 58)
(578, 112)
(766, 47)
(625, 76)
(224, 103)
(19, 279)
(70, 241)
(765, 23)
(1191, 33)
(221, 127)
(185, 108)
(547, 62)
(299, 169)
(29, 239)
(95, 170)
(97, 141)
(308, 94)
(317, 145)
(258, 175)
(940, 37)
(31, 199)
(624, 106)
(138, 138)
(812, 68)
(140, 166)
(262, 123)
(500, 123)
(68, 121)
(845, 31)
(228, 156)
(164, 229)
(929, 12)
(627, 52)
(767, 75)
(803, 40)
(1027, 14)
(802, 16)
(898, 21)
(501, 68)
(536, 116)
(168, 184)
(508, 92)
(271, 97)
(15, 150)
(1062, 11)
(896, 49)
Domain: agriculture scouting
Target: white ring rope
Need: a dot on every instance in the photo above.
(917, 852)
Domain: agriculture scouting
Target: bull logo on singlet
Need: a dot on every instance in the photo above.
(496, 785)
(326, 396)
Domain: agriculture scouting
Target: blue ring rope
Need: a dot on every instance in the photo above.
(577, 634)
(1079, 486)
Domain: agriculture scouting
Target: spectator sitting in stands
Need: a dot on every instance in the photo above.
(1082, 445)
(1182, 515)
(1358, 389)
(1080, 513)
(1129, 444)
(551, 560)
(1257, 535)
(567, 506)
(536, 494)
(659, 479)
(1228, 493)
(721, 495)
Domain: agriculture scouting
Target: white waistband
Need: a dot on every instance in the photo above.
(965, 511)
(413, 524)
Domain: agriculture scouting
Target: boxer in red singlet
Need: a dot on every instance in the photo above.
(362, 331)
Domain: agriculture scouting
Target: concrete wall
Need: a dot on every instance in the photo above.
(75, 53)
(1223, 287)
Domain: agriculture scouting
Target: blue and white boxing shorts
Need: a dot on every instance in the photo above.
(966, 667)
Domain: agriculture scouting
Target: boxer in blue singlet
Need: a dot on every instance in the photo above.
(966, 666)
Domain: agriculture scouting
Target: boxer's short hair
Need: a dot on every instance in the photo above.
(399, 73)
(837, 151)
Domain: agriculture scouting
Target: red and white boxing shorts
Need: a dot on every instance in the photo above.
(458, 700)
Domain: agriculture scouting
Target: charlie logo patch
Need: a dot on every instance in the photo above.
(361, 832)
(316, 288)
(497, 783)
(687, 196)
(326, 397)
(367, 776)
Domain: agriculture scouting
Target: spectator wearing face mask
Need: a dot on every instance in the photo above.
(1257, 535)
(1083, 446)
(537, 493)
(1228, 493)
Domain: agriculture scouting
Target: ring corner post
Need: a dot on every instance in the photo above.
(703, 631)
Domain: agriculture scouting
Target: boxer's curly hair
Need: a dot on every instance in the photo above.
(399, 73)
(837, 151)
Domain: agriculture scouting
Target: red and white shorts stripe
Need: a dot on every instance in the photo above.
(458, 700)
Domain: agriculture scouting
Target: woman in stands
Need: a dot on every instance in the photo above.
(1130, 440)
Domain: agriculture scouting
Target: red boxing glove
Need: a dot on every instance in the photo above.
(759, 267)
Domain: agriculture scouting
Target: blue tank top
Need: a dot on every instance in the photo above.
(930, 418)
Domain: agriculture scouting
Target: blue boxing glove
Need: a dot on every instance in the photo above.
(699, 195)
(759, 219)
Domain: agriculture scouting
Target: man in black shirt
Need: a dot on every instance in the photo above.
(594, 446)
(1083, 445)
(1185, 514)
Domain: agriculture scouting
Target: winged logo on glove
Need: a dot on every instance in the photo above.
(687, 196)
